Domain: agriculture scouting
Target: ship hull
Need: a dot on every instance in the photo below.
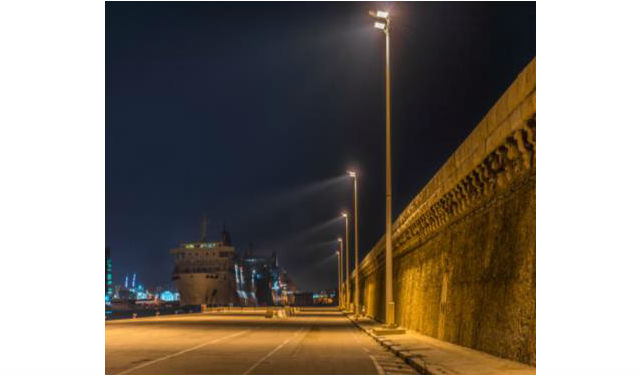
(203, 288)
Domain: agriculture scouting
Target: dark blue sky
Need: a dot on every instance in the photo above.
(246, 111)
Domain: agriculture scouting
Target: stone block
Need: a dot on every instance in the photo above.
(515, 92)
(468, 166)
(515, 120)
(497, 136)
(502, 108)
(436, 181)
(468, 147)
(450, 176)
(460, 154)
(476, 137)
(530, 72)
(528, 81)
(387, 331)
(528, 107)
(491, 120)
(479, 155)
(481, 130)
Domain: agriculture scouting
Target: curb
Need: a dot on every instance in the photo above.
(117, 319)
(413, 360)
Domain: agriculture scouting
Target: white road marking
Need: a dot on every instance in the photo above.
(375, 362)
(285, 342)
(181, 352)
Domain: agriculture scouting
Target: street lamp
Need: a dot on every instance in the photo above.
(338, 294)
(383, 22)
(355, 229)
(348, 275)
(341, 271)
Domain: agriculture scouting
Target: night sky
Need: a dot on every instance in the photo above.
(251, 113)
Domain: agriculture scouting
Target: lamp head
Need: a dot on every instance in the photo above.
(382, 20)
(339, 239)
(379, 14)
(351, 174)
(344, 214)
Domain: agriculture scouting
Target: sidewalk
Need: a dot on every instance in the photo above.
(435, 357)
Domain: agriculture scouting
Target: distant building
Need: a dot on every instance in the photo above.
(108, 276)
(324, 297)
(261, 282)
(204, 271)
(320, 298)
(255, 278)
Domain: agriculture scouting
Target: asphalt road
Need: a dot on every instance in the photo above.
(315, 341)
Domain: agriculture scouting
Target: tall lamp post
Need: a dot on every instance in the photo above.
(383, 22)
(355, 229)
(347, 274)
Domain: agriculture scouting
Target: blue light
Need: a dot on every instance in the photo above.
(168, 296)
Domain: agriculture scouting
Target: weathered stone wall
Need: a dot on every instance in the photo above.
(464, 248)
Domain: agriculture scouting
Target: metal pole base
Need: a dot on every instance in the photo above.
(391, 315)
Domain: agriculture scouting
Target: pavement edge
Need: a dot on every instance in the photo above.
(411, 360)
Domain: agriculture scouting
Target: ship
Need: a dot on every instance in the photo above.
(203, 271)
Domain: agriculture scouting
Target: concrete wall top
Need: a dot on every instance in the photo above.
(516, 105)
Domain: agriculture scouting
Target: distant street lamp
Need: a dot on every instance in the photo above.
(355, 229)
(383, 22)
(348, 272)
(341, 273)
(338, 294)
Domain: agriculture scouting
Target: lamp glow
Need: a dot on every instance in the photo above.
(382, 14)
(379, 25)
(344, 214)
(351, 173)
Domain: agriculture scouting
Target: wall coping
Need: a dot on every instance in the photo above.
(509, 113)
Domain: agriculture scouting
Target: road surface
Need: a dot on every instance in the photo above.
(315, 341)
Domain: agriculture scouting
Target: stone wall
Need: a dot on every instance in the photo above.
(464, 248)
